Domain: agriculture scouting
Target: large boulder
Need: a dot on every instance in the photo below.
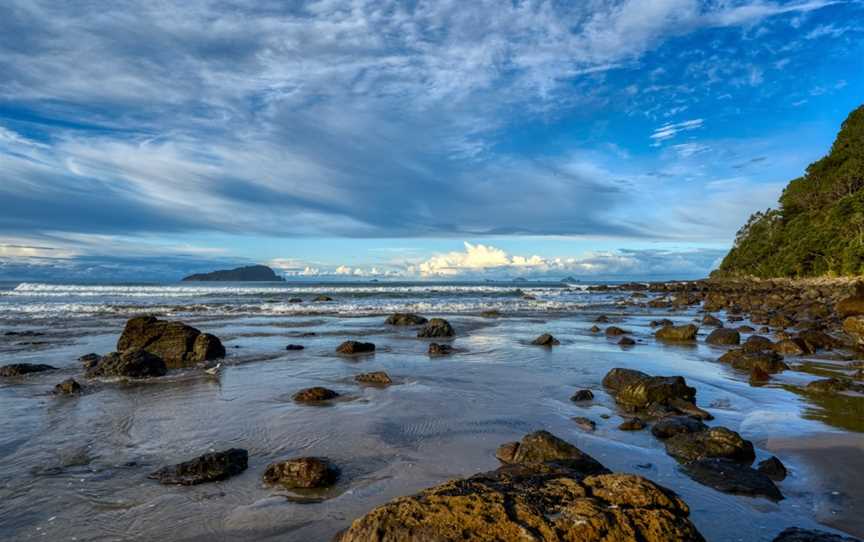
(767, 361)
(724, 336)
(210, 467)
(520, 505)
(685, 333)
(133, 363)
(176, 343)
(732, 477)
(436, 328)
(637, 391)
(405, 319)
(714, 442)
(544, 447)
(21, 369)
(301, 473)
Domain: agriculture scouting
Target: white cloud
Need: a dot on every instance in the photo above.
(669, 131)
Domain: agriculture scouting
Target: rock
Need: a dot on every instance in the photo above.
(314, 395)
(21, 369)
(615, 331)
(594, 329)
(729, 476)
(405, 319)
(251, 273)
(492, 313)
(586, 424)
(854, 327)
(545, 340)
(834, 385)
(626, 341)
(436, 349)
(757, 343)
(677, 333)
(676, 425)
(767, 361)
(176, 343)
(89, 360)
(794, 534)
(711, 321)
(436, 327)
(355, 347)
(791, 347)
(746, 329)
(70, 386)
(322, 298)
(505, 505)
(723, 337)
(544, 447)
(295, 347)
(714, 442)
(635, 390)
(582, 395)
(758, 376)
(301, 473)
(602, 319)
(818, 340)
(377, 377)
(665, 322)
(210, 467)
(633, 424)
(133, 363)
(295, 300)
(850, 306)
(772, 468)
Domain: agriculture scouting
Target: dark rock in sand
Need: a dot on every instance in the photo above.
(314, 395)
(711, 321)
(635, 391)
(295, 347)
(714, 442)
(677, 333)
(633, 424)
(176, 343)
(615, 331)
(70, 386)
(545, 340)
(355, 347)
(378, 377)
(436, 349)
(210, 467)
(676, 425)
(21, 369)
(435, 328)
(626, 341)
(301, 473)
(586, 424)
(772, 468)
(794, 534)
(521, 504)
(128, 364)
(582, 395)
(405, 319)
(544, 447)
(767, 361)
(729, 476)
(724, 337)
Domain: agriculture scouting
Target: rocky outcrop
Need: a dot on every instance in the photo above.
(542, 447)
(21, 369)
(732, 477)
(355, 347)
(315, 394)
(176, 343)
(724, 336)
(653, 395)
(128, 364)
(301, 473)
(436, 328)
(545, 340)
(378, 377)
(714, 442)
(685, 333)
(405, 319)
(210, 467)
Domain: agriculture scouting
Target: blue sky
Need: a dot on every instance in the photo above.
(379, 138)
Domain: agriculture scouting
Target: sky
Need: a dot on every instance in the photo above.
(363, 139)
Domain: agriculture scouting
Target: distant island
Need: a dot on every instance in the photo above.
(250, 273)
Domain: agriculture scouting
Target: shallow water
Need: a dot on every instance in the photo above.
(75, 468)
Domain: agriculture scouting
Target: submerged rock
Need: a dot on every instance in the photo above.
(377, 377)
(626, 341)
(210, 467)
(436, 349)
(711, 321)
(507, 505)
(70, 386)
(586, 424)
(355, 347)
(314, 395)
(685, 333)
(732, 477)
(767, 361)
(834, 385)
(724, 337)
(545, 340)
(633, 424)
(405, 319)
(665, 322)
(615, 331)
(772, 468)
(544, 447)
(301, 473)
(714, 442)
(176, 343)
(436, 327)
(295, 347)
(794, 534)
(21, 369)
(133, 363)
(676, 425)
(594, 329)
(582, 395)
